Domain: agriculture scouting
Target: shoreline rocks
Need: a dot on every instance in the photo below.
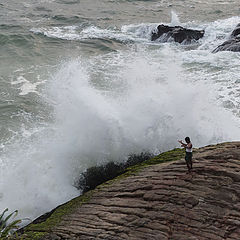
(233, 44)
(157, 200)
(165, 33)
(177, 33)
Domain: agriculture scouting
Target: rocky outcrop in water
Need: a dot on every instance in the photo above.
(156, 200)
(233, 44)
(236, 31)
(178, 34)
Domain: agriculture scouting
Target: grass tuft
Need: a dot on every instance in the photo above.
(6, 227)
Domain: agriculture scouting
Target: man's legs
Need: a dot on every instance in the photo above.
(188, 162)
(188, 159)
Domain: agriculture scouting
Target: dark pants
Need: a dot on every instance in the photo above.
(188, 159)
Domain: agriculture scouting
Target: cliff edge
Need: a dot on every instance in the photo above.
(157, 200)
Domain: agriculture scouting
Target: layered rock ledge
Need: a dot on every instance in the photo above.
(156, 200)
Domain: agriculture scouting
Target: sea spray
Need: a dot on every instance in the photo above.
(155, 106)
(174, 19)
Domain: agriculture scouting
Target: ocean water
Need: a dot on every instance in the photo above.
(82, 84)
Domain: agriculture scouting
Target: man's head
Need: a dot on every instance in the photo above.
(187, 139)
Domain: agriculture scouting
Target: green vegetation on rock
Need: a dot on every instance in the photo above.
(37, 230)
(172, 155)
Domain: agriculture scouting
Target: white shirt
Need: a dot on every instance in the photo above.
(188, 149)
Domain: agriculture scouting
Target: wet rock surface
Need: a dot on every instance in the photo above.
(164, 202)
(233, 44)
(179, 34)
(236, 31)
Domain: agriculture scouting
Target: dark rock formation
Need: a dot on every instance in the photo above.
(229, 45)
(233, 44)
(97, 175)
(236, 31)
(160, 201)
(177, 33)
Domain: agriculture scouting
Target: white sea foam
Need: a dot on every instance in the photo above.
(26, 86)
(76, 33)
(215, 32)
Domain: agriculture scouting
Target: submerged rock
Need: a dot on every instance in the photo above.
(233, 44)
(177, 33)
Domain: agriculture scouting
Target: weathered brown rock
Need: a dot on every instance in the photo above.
(164, 202)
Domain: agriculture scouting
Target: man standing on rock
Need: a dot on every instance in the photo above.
(188, 148)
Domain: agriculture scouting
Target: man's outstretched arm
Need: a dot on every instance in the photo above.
(182, 144)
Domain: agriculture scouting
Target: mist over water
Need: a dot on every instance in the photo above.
(98, 93)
